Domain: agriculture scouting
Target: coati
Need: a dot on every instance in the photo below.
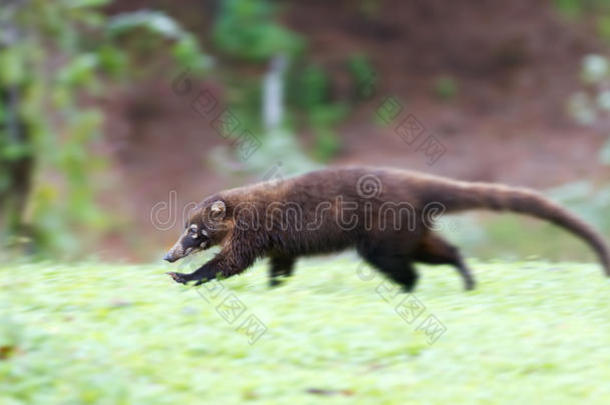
(386, 214)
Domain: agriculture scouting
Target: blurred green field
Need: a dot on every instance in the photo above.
(122, 334)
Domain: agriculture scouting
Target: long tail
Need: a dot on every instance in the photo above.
(459, 196)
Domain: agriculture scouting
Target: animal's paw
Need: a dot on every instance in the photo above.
(179, 277)
(274, 282)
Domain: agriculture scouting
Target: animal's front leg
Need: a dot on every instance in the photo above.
(205, 272)
(227, 263)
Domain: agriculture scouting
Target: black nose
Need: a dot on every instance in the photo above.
(167, 257)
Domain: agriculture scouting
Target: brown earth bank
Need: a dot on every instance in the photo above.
(516, 63)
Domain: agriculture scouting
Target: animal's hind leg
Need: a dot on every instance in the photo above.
(433, 249)
(280, 266)
(395, 266)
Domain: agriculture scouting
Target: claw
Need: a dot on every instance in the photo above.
(177, 277)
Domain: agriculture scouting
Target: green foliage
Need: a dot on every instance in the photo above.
(363, 77)
(387, 111)
(370, 8)
(593, 101)
(308, 87)
(571, 8)
(445, 88)
(245, 29)
(155, 22)
(598, 10)
(323, 120)
(577, 8)
(279, 147)
(69, 49)
(308, 90)
(533, 332)
(185, 50)
(603, 27)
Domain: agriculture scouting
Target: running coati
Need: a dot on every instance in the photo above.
(386, 214)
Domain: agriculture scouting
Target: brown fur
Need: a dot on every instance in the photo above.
(320, 198)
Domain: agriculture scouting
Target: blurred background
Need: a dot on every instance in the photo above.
(115, 116)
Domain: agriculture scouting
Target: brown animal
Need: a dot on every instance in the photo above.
(386, 214)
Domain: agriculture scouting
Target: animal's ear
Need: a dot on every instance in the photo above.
(218, 209)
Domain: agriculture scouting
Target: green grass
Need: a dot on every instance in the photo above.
(120, 334)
